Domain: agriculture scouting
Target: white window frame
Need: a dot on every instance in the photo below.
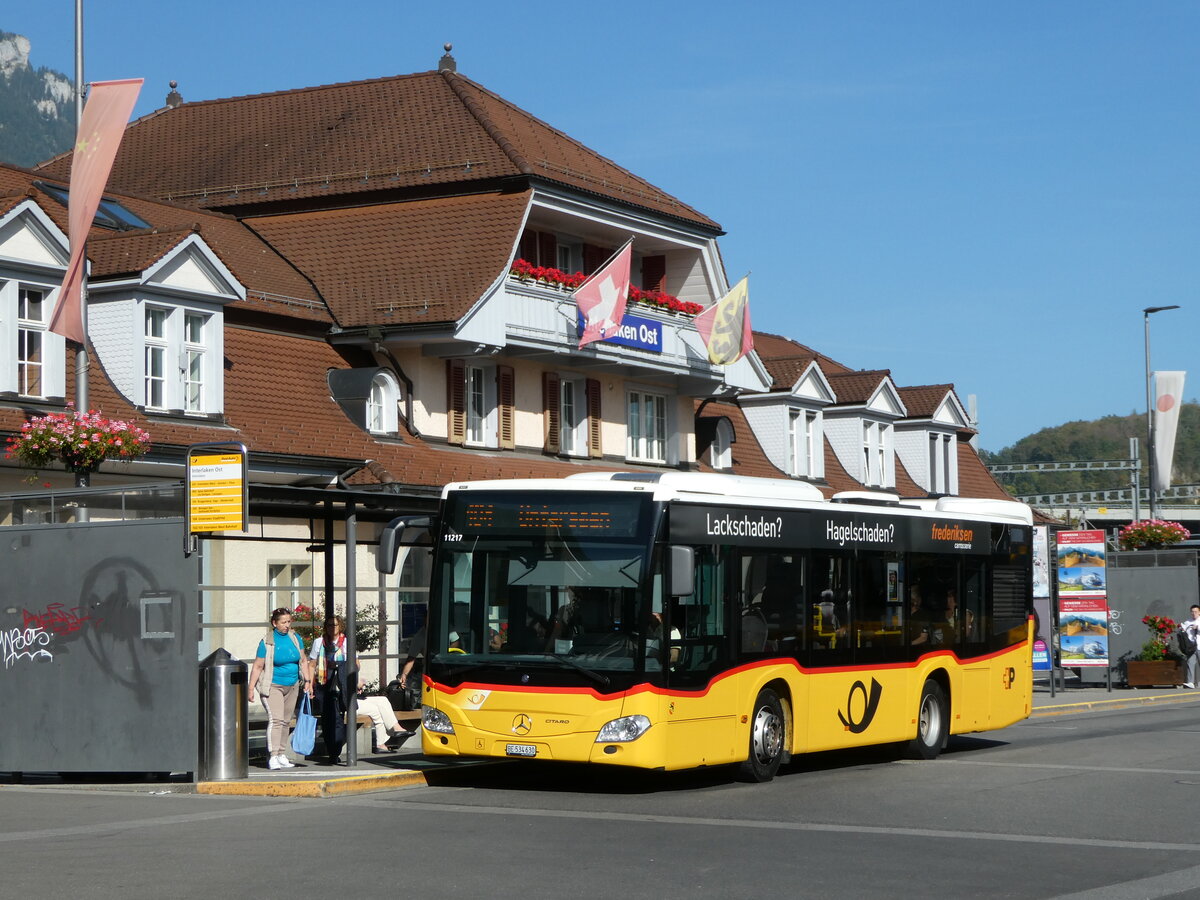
(646, 434)
(721, 449)
(572, 417)
(180, 346)
(943, 468)
(31, 371)
(804, 456)
(195, 361)
(290, 579)
(383, 405)
(154, 357)
(480, 406)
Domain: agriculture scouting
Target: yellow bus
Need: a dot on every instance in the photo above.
(674, 620)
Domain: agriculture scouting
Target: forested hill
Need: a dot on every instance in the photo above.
(1106, 438)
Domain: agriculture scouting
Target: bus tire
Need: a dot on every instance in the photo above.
(933, 723)
(766, 739)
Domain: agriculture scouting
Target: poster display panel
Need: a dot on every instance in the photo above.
(1081, 578)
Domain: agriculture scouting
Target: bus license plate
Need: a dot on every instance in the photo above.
(521, 750)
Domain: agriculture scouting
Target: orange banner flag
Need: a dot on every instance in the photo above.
(101, 127)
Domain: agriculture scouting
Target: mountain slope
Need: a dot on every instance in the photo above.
(37, 106)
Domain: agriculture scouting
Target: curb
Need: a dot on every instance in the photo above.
(327, 787)
(1116, 703)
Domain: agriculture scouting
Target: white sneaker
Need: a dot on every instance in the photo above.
(273, 763)
(285, 763)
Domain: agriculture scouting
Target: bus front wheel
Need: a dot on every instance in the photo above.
(933, 724)
(766, 738)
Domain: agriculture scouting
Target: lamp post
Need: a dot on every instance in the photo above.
(1146, 313)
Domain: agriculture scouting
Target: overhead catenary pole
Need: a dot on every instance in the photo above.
(1146, 313)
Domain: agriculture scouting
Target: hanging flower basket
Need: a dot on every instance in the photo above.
(80, 441)
(1150, 534)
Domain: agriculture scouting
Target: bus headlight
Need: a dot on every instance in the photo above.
(623, 730)
(436, 720)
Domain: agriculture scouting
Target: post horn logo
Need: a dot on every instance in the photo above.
(870, 704)
(522, 724)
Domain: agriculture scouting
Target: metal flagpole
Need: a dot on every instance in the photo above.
(82, 479)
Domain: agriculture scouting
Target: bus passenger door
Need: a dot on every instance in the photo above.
(697, 708)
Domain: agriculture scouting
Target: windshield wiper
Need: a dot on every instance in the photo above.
(598, 677)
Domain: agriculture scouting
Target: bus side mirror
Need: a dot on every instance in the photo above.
(403, 531)
(683, 571)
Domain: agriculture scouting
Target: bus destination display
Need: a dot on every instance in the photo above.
(512, 515)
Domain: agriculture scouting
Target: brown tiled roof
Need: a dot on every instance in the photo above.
(856, 387)
(974, 480)
(905, 485)
(417, 262)
(125, 254)
(747, 452)
(922, 401)
(273, 284)
(836, 475)
(435, 129)
(786, 360)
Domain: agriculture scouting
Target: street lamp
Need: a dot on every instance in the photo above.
(1146, 313)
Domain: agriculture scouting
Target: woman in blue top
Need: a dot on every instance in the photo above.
(279, 668)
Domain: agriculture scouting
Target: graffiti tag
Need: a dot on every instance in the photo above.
(56, 618)
(17, 644)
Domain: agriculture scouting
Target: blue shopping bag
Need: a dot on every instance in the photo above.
(305, 734)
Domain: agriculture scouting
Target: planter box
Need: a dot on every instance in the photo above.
(1148, 673)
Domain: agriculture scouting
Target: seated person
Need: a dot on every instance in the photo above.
(920, 625)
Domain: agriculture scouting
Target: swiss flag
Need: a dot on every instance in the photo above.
(602, 297)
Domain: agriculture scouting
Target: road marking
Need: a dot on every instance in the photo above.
(1169, 884)
(1067, 767)
(765, 825)
(123, 825)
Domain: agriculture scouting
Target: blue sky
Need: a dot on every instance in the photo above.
(979, 193)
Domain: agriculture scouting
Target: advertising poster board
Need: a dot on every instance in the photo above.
(1081, 579)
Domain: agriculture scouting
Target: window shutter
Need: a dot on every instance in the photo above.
(595, 450)
(654, 273)
(552, 412)
(505, 395)
(456, 401)
(594, 258)
(529, 247)
(547, 249)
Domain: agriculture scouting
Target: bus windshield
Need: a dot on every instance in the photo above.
(566, 582)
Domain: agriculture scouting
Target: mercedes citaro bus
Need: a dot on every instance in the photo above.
(673, 620)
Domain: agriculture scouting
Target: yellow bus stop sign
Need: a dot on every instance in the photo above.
(216, 489)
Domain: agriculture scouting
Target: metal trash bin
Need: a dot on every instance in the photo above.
(224, 732)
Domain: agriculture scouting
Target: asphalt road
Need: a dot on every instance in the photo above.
(1098, 805)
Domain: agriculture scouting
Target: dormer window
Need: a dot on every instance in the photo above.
(177, 349)
(805, 456)
(943, 464)
(382, 405)
(876, 446)
(31, 336)
(156, 357)
(721, 450)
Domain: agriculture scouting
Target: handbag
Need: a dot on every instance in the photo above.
(305, 734)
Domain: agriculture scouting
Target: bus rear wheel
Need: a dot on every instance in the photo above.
(766, 739)
(933, 724)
